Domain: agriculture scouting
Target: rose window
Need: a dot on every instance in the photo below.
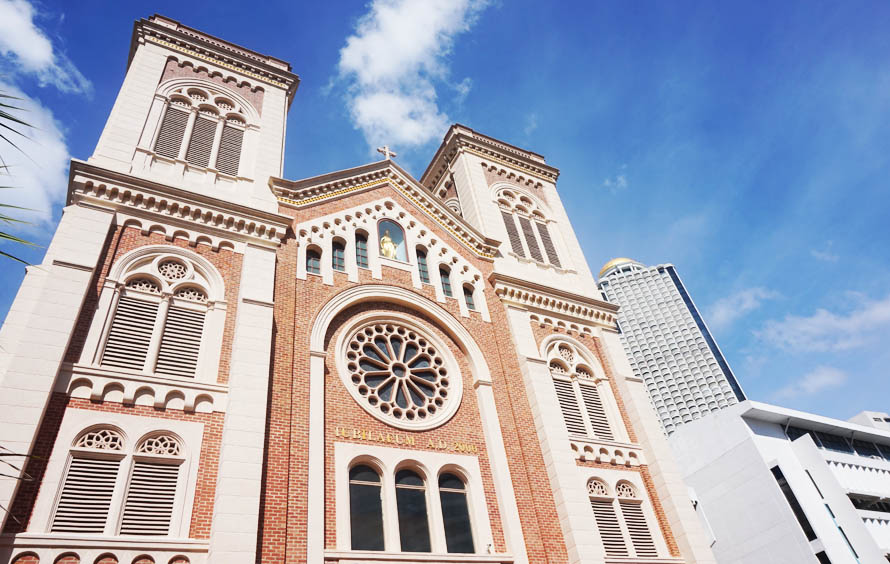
(172, 270)
(192, 294)
(398, 375)
(625, 490)
(101, 439)
(144, 285)
(160, 444)
(597, 488)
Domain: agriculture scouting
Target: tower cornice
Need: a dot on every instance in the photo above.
(173, 35)
(553, 301)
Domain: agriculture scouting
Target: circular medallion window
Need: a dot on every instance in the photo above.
(400, 374)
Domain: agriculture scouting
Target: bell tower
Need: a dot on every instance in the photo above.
(199, 113)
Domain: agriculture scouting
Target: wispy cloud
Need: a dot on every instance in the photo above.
(824, 254)
(825, 331)
(618, 182)
(819, 379)
(393, 61)
(531, 123)
(28, 50)
(725, 311)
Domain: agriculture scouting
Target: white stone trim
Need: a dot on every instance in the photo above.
(430, 465)
(126, 549)
(133, 427)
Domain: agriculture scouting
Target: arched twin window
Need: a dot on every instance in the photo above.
(412, 495)
(445, 278)
(526, 223)
(87, 502)
(313, 261)
(204, 127)
(578, 392)
(158, 318)
(624, 530)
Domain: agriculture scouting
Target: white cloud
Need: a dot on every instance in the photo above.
(39, 172)
(825, 331)
(463, 89)
(30, 51)
(726, 310)
(825, 254)
(398, 52)
(618, 182)
(819, 379)
(531, 123)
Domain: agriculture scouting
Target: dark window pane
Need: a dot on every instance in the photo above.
(446, 282)
(313, 262)
(366, 517)
(866, 448)
(338, 257)
(456, 517)
(450, 482)
(408, 478)
(362, 473)
(413, 528)
(361, 250)
(422, 268)
(822, 558)
(468, 297)
(834, 442)
(795, 505)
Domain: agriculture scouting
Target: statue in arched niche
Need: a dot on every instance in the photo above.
(387, 247)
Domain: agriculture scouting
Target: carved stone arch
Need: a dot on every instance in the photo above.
(168, 87)
(551, 342)
(214, 280)
(498, 187)
(148, 440)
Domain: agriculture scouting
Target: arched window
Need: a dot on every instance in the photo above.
(455, 514)
(414, 530)
(158, 320)
(204, 127)
(313, 261)
(468, 298)
(445, 277)
(624, 533)
(422, 268)
(88, 499)
(361, 250)
(521, 214)
(365, 508)
(392, 240)
(338, 256)
(578, 393)
(607, 523)
(635, 520)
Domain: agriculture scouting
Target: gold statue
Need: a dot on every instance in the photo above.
(387, 247)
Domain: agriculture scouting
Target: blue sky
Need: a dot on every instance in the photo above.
(747, 144)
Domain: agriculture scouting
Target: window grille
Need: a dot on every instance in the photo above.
(530, 240)
(313, 262)
(513, 233)
(86, 496)
(422, 267)
(548, 244)
(148, 509)
(468, 297)
(640, 536)
(130, 336)
(595, 411)
(171, 133)
(609, 528)
(201, 142)
(181, 342)
(228, 158)
(445, 277)
(568, 404)
(338, 256)
(361, 250)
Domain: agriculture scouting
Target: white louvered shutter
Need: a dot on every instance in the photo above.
(229, 155)
(148, 508)
(609, 529)
(568, 404)
(201, 142)
(512, 233)
(638, 529)
(130, 334)
(172, 130)
(86, 496)
(533, 249)
(181, 342)
(548, 244)
(596, 413)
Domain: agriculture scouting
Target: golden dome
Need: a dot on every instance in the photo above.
(614, 262)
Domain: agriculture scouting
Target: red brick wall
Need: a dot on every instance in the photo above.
(202, 512)
(27, 558)
(254, 95)
(297, 302)
(123, 240)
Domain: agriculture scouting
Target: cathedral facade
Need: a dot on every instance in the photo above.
(217, 364)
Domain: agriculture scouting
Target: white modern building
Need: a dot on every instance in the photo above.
(669, 346)
(779, 485)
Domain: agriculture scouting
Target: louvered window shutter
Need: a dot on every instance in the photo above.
(548, 244)
(201, 142)
(171, 133)
(609, 529)
(533, 249)
(130, 334)
(148, 508)
(568, 404)
(181, 342)
(86, 496)
(596, 413)
(513, 233)
(229, 155)
(638, 529)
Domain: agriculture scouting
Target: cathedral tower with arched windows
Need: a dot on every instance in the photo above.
(217, 364)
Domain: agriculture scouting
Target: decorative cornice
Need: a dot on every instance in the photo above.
(553, 301)
(175, 36)
(461, 138)
(102, 188)
(309, 191)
